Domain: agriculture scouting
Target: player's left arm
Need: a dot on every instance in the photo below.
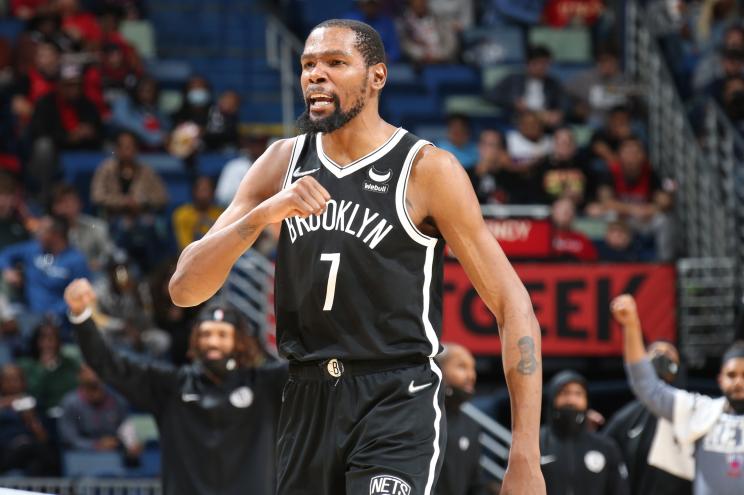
(440, 193)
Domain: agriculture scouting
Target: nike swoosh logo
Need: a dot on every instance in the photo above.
(190, 397)
(413, 389)
(379, 177)
(297, 172)
(634, 432)
(547, 459)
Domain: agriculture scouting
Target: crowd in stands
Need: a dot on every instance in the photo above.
(71, 81)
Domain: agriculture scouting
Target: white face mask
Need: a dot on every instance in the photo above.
(198, 97)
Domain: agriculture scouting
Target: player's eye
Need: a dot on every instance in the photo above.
(308, 65)
(337, 62)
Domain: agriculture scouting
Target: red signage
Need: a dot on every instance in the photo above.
(571, 303)
(521, 237)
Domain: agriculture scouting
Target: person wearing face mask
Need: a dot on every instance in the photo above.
(634, 429)
(574, 460)
(461, 472)
(216, 416)
(709, 431)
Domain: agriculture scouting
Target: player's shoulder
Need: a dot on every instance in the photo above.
(433, 160)
(281, 147)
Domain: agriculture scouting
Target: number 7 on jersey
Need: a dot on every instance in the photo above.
(335, 259)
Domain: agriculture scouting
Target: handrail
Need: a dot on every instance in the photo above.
(283, 48)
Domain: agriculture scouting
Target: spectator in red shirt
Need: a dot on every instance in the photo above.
(562, 13)
(81, 26)
(634, 192)
(568, 243)
(40, 80)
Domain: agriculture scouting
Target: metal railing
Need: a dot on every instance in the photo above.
(495, 440)
(709, 195)
(84, 486)
(283, 50)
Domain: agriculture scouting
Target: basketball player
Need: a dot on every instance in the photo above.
(365, 210)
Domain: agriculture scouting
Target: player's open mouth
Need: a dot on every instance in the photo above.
(319, 101)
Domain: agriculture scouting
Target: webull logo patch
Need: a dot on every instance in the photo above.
(378, 188)
(388, 485)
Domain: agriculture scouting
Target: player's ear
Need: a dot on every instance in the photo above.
(378, 76)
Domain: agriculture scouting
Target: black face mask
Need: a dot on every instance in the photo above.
(455, 397)
(666, 369)
(736, 404)
(567, 421)
(219, 367)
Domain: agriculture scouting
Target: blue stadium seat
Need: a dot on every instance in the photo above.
(490, 46)
(169, 73)
(77, 463)
(10, 28)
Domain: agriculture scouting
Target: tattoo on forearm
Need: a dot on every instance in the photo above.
(246, 231)
(527, 361)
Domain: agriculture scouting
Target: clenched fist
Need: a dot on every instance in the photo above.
(624, 310)
(79, 295)
(303, 198)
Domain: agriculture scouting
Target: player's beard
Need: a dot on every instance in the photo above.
(737, 405)
(334, 121)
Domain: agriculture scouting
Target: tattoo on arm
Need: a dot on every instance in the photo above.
(527, 362)
(246, 231)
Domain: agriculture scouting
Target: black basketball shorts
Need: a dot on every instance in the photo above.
(361, 429)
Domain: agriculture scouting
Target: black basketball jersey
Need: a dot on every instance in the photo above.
(360, 281)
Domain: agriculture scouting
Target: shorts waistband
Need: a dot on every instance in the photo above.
(335, 368)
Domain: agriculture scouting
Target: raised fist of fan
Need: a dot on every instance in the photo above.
(79, 295)
(624, 310)
(303, 198)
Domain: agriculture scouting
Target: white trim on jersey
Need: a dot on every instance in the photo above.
(417, 236)
(437, 424)
(341, 172)
(297, 146)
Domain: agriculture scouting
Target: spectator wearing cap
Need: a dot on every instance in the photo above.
(64, 119)
(216, 416)
(533, 90)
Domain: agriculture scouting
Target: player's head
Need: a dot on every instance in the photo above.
(343, 73)
(731, 376)
(568, 402)
(222, 340)
(458, 368)
(665, 358)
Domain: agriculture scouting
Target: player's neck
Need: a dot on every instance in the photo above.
(361, 136)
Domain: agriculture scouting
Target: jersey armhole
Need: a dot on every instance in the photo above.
(400, 197)
(297, 146)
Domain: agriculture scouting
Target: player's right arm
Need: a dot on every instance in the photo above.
(204, 265)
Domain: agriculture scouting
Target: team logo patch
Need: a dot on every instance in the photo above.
(335, 368)
(378, 180)
(241, 397)
(388, 485)
(594, 461)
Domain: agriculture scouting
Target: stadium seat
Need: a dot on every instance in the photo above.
(170, 101)
(169, 73)
(145, 426)
(80, 463)
(140, 34)
(473, 106)
(493, 75)
(10, 28)
(568, 45)
(487, 46)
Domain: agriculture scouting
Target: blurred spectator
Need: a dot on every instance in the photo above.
(563, 13)
(461, 471)
(24, 442)
(710, 66)
(732, 66)
(633, 191)
(28, 9)
(40, 80)
(634, 429)
(110, 18)
(92, 417)
(706, 430)
(425, 37)
(63, 119)
(598, 90)
(191, 119)
(565, 173)
(234, 170)
(47, 264)
(459, 141)
(492, 159)
(461, 13)
(372, 13)
(574, 460)
(606, 141)
(78, 24)
(567, 243)
(130, 194)
(50, 372)
(221, 128)
(122, 295)
(13, 215)
(619, 244)
(191, 221)
(88, 234)
(733, 101)
(710, 21)
(140, 115)
(226, 401)
(527, 145)
(534, 90)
